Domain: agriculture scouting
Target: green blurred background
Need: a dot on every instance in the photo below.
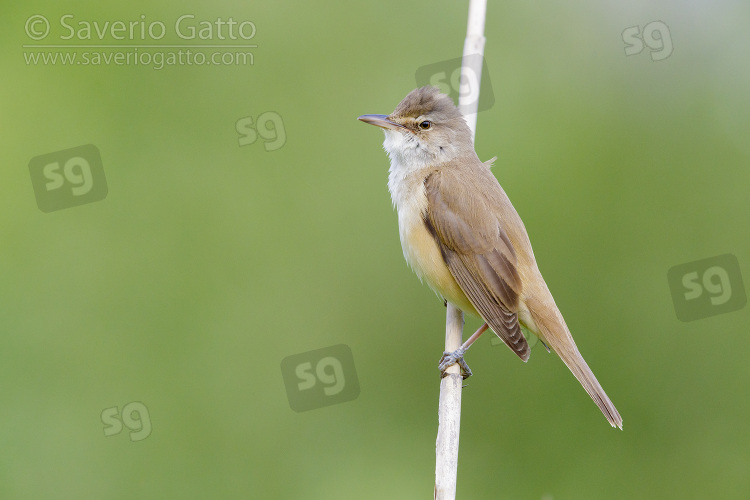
(210, 262)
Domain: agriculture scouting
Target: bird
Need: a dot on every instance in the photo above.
(462, 236)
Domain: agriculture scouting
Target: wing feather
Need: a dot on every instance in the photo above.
(479, 255)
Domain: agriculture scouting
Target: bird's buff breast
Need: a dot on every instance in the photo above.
(422, 252)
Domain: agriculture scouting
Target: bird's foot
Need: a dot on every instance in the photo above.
(450, 359)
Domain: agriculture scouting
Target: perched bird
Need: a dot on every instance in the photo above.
(461, 234)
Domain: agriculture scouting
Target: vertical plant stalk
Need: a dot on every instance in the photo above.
(449, 408)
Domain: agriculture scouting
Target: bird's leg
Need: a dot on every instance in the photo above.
(457, 356)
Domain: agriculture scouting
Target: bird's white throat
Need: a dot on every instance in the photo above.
(409, 156)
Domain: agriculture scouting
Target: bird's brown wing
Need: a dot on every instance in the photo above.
(477, 251)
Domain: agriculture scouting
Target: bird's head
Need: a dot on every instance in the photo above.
(425, 129)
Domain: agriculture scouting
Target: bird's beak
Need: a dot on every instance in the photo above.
(381, 121)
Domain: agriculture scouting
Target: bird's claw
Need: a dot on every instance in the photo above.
(450, 359)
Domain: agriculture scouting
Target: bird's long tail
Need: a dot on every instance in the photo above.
(555, 332)
(575, 362)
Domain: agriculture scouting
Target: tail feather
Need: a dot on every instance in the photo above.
(553, 330)
(577, 365)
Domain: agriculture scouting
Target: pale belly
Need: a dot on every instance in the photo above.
(423, 255)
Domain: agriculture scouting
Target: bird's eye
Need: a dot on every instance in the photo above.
(425, 125)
